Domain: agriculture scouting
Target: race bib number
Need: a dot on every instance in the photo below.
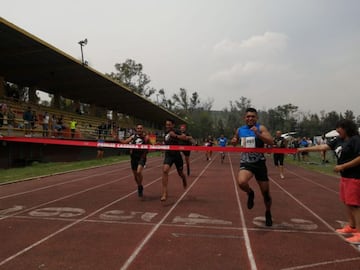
(248, 142)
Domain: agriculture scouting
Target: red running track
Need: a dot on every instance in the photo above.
(93, 219)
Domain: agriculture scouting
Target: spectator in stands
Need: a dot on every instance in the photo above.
(27, 117)
(78, 107)
(53, 124)
(45, 124)
(1, 116)
(73, 125)
(60, 126)
(108, 128)
(10, 121)
(33, 120)
(102, 130)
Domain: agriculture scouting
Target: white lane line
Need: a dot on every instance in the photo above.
(309, 210)
(66, 197)
(303, 205)
(245, 229)
(157, 226)
(222, 228)
(313, 182)
(64, 229)
(74, 180)
(59, 184)
(202, 235)
(321, 264)
(76, 221)
(72, 194)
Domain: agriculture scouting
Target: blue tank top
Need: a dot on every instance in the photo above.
(248, 139)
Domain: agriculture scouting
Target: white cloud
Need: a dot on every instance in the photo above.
(269, 42)
(253, 62)
(249, 70)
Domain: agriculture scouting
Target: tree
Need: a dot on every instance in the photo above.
(330, 120)
(181, 100)
(131, 75)
(282, 118)
(349, 115)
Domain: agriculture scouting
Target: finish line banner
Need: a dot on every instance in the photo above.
(147, 146)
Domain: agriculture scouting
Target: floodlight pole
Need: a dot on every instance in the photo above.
(82, 44)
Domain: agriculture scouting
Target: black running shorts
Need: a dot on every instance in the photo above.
(174, 158)
(136, 161)
(278, 159)
(259, 170)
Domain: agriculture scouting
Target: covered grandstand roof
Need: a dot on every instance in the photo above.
(28, 61)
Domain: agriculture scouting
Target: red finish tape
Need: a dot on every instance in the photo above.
(147, 146)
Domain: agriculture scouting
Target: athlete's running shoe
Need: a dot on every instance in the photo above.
(140, 190)
(347, 229)
(355, 239)
(268, 218)
(250, 201)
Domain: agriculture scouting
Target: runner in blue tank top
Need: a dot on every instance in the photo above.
(222, 141)
(254, 135)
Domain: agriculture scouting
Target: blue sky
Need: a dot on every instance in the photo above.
(304, 52)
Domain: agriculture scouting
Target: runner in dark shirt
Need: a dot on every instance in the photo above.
(138, 156)
(187, 142)
(172, 137)
(279, 142)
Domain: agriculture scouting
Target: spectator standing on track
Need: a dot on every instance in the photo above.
(279, 142)
(323, 153)
(187, 142)
(222, 142)
(172, 137)
(138, 156)
(254, 135)
(304, 154)
(347, 150)
(100, 149)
